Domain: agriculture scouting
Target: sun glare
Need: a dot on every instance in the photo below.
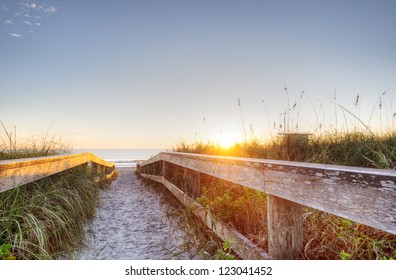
(226, 141)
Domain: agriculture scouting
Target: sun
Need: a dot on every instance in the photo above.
(226, 141)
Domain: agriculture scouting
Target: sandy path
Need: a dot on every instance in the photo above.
(130, 223)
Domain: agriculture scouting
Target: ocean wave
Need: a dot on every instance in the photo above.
(125, 164)
(124, 161)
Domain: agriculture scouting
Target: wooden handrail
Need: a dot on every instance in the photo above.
(364, 195)
(14, 173)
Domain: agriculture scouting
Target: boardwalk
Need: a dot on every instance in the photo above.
(131, 224)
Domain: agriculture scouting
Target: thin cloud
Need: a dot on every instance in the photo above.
(28, 15)
(30, 5)
(42, 7)
(51, 10)
(16, 35)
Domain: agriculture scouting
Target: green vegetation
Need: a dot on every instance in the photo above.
(325, 236)
(225, 252)
(11, 148)
(45, 219)
(5, 253)
(240, 207)
(353, 149)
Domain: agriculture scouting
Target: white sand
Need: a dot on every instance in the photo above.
(131, 224)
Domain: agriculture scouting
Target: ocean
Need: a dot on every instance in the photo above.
(122, 157)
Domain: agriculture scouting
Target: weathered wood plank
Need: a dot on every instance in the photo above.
(239, 172)
(241, 245)
(365, 199)
(192, 182)
(18, 172)
(285, 228)
(364, 195)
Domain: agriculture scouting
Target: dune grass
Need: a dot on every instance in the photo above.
(353, 149)
(36, 146)
(325, 236)
(45, 219)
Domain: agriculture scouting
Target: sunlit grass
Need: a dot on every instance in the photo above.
(325, 236)
(45, 219)
(36, 146)
(353, 149)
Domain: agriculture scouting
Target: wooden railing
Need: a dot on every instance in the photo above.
(364, 195)
(17, 172)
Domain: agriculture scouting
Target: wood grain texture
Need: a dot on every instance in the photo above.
(192, 182)
(361, 195)
(364, 195)
(285, 228)
(14, 173)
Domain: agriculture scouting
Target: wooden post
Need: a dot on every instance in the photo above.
(94, 168)
(161, 168)
(192, 182)
(108, 170)
(164, 170)
(285, 228)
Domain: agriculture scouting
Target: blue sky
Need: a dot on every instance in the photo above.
(147, 74)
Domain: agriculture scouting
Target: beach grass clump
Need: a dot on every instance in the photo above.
(360, 149)
(325, 236)
(242, 208)
(36, 146)
(331, 237)
(45, 219)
